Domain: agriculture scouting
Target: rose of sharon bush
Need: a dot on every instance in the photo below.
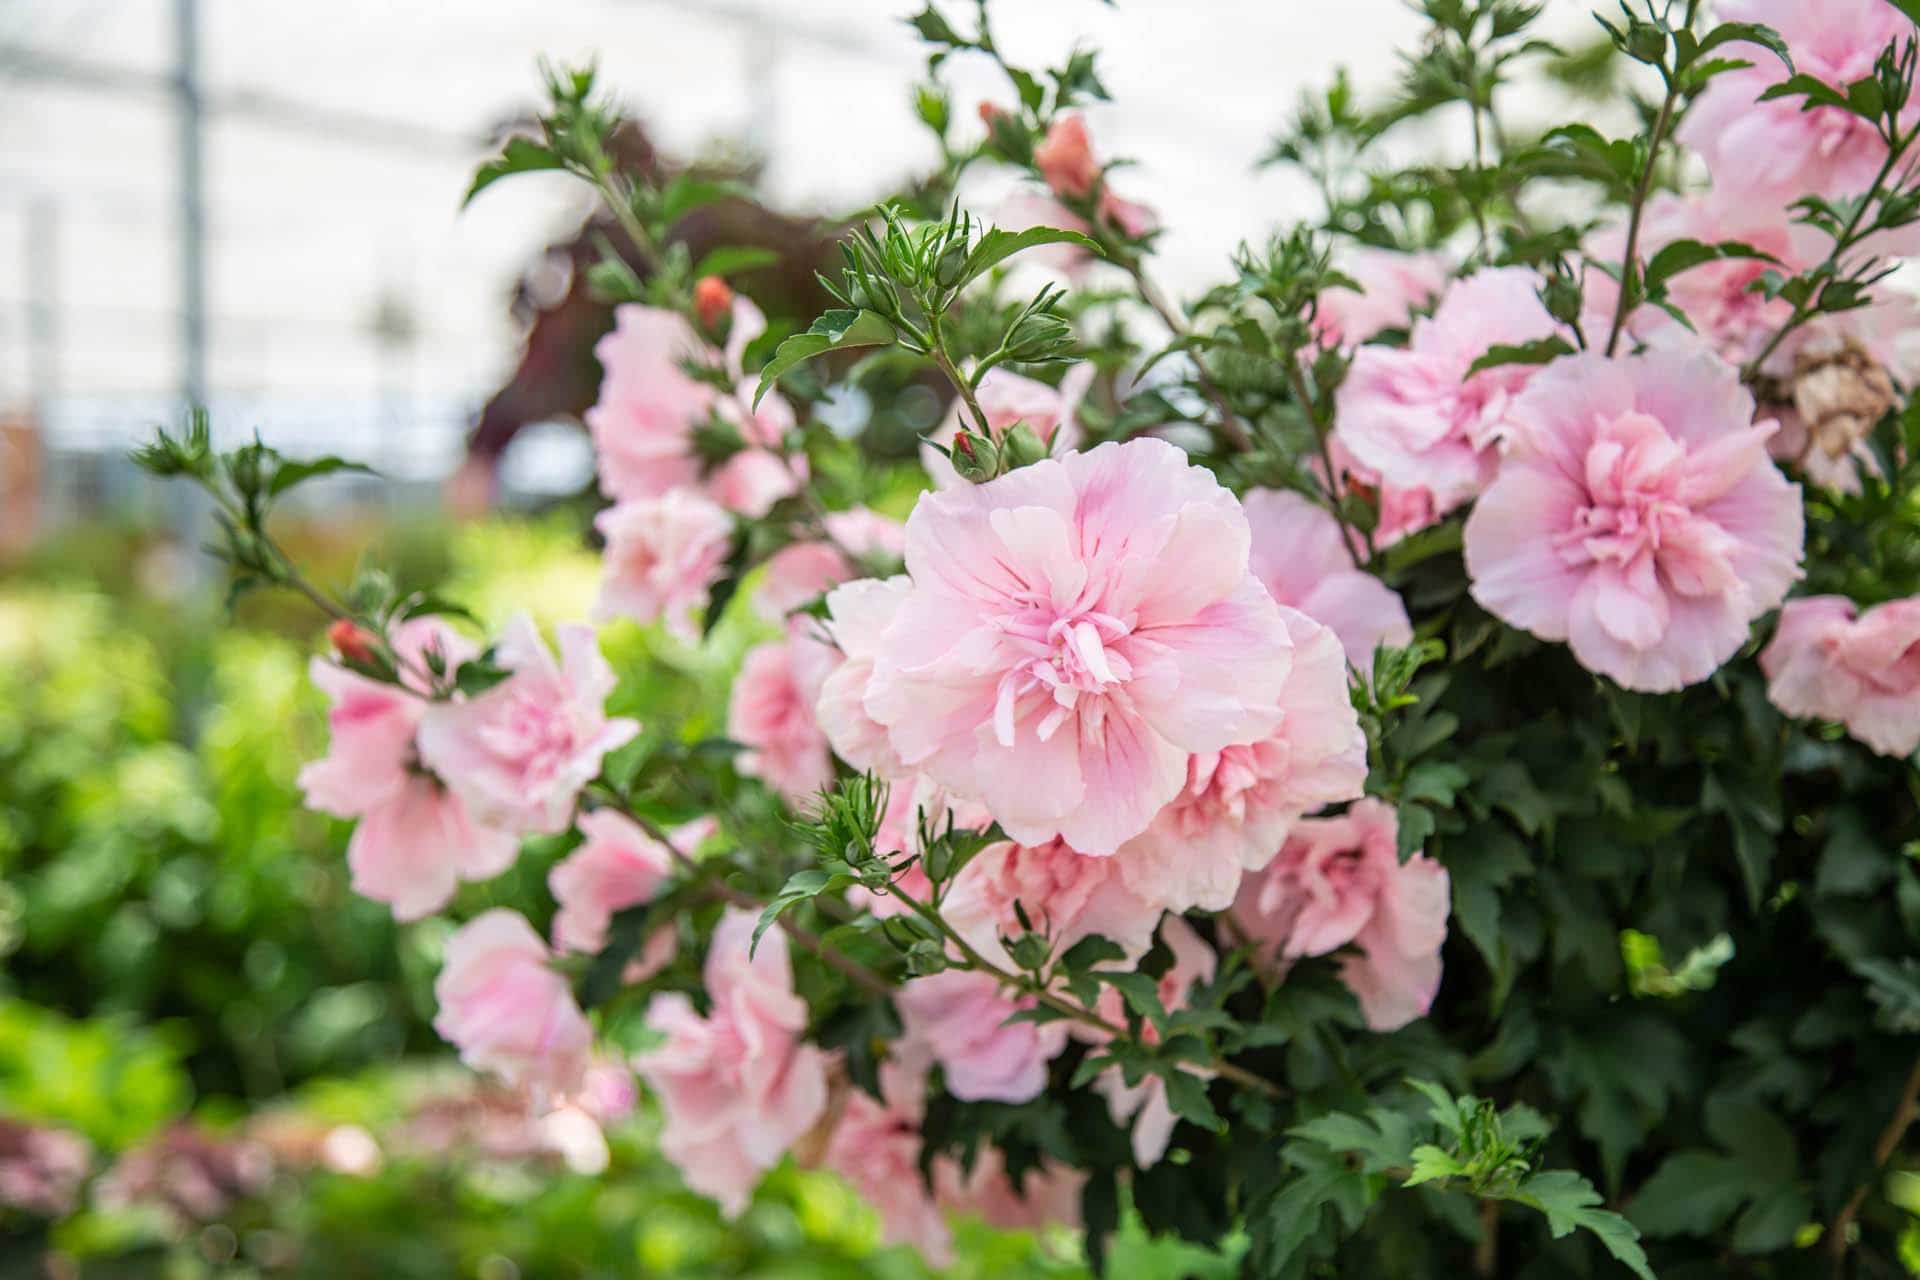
(960, 1018)
(1388, 288)
(1416, 415)
(1144, 1104)
(1008, 398)
(1862, 669)
(739, 1086)
(1638, 517)
(507, 1009)
(663, 556)
(520, 753)
(1066, 894)
(1074, 631)
(1339, 882)
(876, 1146)
(618, 866)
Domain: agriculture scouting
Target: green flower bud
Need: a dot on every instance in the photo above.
(1022, 446)
(975, 457)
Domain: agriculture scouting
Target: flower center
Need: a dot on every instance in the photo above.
(1061, 660)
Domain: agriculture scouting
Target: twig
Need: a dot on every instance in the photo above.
(1883, 1149)
(1231, 427)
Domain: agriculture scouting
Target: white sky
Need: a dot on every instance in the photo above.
(311, 228)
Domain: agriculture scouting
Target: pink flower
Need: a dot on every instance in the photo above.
(519, 753)
(619, 866)
(876, 1147)
(1399, 510)
(1298, 558)
(1340, 882)
(1864, 671)
(1238, 803)
(1725, 312)
(1416, 416)
(1145, 1103)
(1770, 153)
(739, 1086)
(506, 1010)
(644, 423)
(1065, 158)
(1637, 517)
(797, 574)
(772, 717)
(1007, 398)
(415, 840)
(1391, 287)
(858, 614)
(960, 1018)
(1045, 1196)
(1075, 630)
(663, 556)
(1065, 894)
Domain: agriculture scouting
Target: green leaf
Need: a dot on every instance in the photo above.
(801, 886)
(733, 260)
(1684, 255)
(1737, 32)
(1692, 1193)
(289, 474)
(837, 330)
(1432, 1164)
(521, 155)
(1539, 351)
(1568, 1200)
(1894, 987)
(996, 246)
(687, 192)
(1187, 1095)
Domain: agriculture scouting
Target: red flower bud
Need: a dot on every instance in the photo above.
(350, 641)
(712, 301)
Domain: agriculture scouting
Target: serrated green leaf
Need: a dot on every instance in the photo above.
(838, 330)
(1539, 351)
(996, 246)
(521, 155)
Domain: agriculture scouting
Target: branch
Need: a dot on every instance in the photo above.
(1883, 1149)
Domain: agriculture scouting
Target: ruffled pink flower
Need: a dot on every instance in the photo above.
(876, 1146)
(1145, 1104)
(1065, 894)
(1637, 517)
(858, 614)
(1065, 158)
(771, 715)
(662, 558)
(1392, 286)
(1415, 415)
(797, 574)
(1238, 803)
(1339, 882)
(1298, 558)
(506, 1009)
(740, 1086)
(1075, 630)
(415, 841)
(1007, 398)
(519, 753)
(649, 408)
(1771, 153)
(1048, 1195)
(959, 1017)
(1827, 663)
(619, 866)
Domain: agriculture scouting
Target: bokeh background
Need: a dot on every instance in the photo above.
(256, 207)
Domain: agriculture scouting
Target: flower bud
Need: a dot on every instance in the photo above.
(975, 457)
(1022, 446)
(350, 641)
(712, 301)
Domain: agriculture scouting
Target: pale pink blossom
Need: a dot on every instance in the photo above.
(1006, 398)
(618, 866)
(1065, 158)
(800, 572)
(771, 715)
(1390, 287)
(650, 407)
(1239, 802)
(1074, 631)
(740, 1086)
(1398, 509)
(1145, 1104)
(1416, 415)
(1298, 558)
(1828, 661)
(506, 1009)
(1339, 882)
(876, 1144)
(663, 556)
(1637, 517)
(858, 614)
(1044, 1196)
(959, 1017)
(1771, 153)
(372, 726)
(519, 753)
(1065, 894)
(413, 849)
